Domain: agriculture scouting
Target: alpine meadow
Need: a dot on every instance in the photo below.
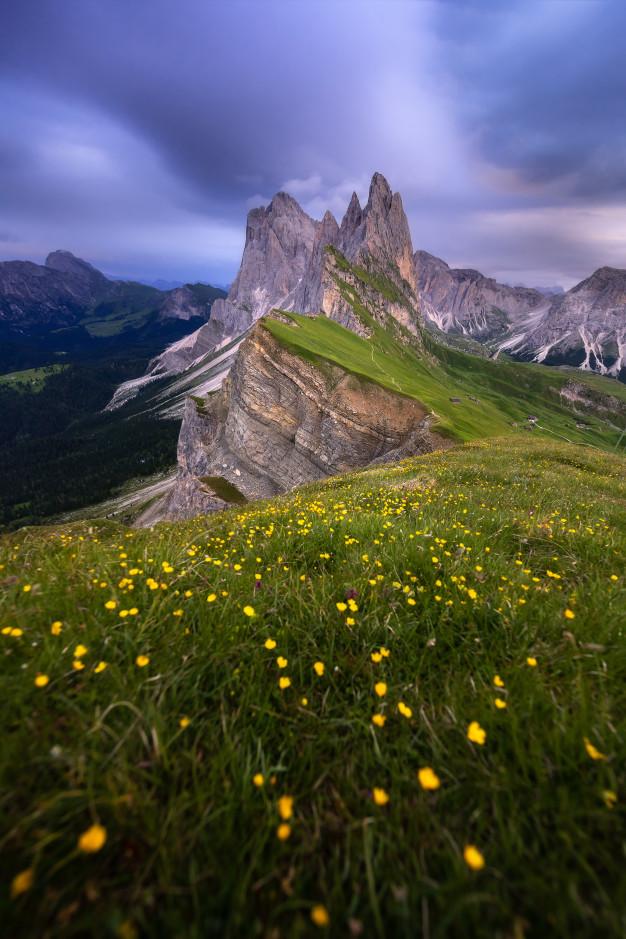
(312, 543)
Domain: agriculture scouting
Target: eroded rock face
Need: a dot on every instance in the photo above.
(182, 303)
(586, 326)
(376, 241)
(286, 265)
(278, 248)
(466, 302)
(278, 422)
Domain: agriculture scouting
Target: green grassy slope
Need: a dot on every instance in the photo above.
(505, 558)
(493, 395)
(31, 379)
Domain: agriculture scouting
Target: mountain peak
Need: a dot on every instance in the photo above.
(67, 263)
(354, 214)
(284, 204)
(380, 192)
(381, 229)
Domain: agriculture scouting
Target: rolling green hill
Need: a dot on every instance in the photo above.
(392, 698)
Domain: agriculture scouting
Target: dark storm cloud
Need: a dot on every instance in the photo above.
(548, 87)
(140, 132)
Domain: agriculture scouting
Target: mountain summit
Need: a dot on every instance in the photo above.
(290, 261)
(67, 263)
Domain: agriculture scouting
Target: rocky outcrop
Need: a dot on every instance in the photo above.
(376, 244)
(278, 248)
(191, 301)
(292, 262)
(466, 302)
(587, 400)
(585, 327)
(279, 421)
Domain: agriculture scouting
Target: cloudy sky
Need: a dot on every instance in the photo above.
(137, 133)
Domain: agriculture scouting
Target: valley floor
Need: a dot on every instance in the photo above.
(390, 704)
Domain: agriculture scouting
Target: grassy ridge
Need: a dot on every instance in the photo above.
(502, 559)
(493, 395)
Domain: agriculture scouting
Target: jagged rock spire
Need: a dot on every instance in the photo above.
(353, 216)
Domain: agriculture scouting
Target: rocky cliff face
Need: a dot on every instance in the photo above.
(585, 326)
(278, 247)
(185, 303)
(468, 303)
(292, 262)
(376, 243)
(279, 421)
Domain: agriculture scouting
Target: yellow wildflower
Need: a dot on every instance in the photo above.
(319, 915)
(184, 722)
(380, 688)
(41, 680)
(569, 614)
(284, 682)
(404, 709)
(319, 668)
(592, 751)
(500, 703)
(379, 720)
(56, 628)
(270, 644)
(22, 882)
(473, 858)
(142, 660)
(282, 662)
(258, 779)
(283, 831)
(532, 661)
(476, 734)
(428, 778)
(249, 611)
(610, 798)
(498, 681)
(93, 839)
(80, 651)
(380, 796)
(285, 807)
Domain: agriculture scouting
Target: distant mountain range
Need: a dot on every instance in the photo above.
(584, 327)
(67, 306)
(271, 398)
(337, 346)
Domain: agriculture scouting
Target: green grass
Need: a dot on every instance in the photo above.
(31, 379)
(507, 392)
(446, 558)
(103, 323)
